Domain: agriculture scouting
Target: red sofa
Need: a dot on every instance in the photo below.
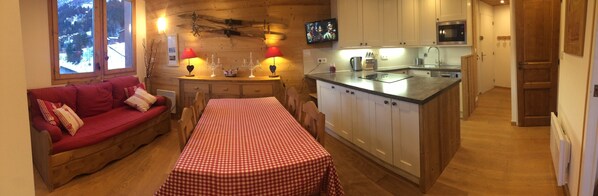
(111, 128)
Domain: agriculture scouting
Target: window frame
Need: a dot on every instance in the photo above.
(100, 67)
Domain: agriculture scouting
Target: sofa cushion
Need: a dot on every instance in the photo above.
(129, 91)
(40, 124)
(47, 108)
(141, 100)
(94, 99)
(118, 86)
(65, 95)
(69, 119)
(104, 126)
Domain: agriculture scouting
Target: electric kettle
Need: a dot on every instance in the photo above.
(355, 63)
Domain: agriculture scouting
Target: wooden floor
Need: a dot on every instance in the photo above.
(495, 158)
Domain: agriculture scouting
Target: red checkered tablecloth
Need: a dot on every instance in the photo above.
(251, 147)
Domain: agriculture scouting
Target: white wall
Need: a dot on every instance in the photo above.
(16, 174)
(448, 55)
(572, 89)
(36, 41)
(502, 50)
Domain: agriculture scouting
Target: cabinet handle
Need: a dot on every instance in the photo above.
(196, 88)
(361, 44)
(332, 86)
(385, 102)
(226, 89)
(257, 91)
(346, 91)
(433, 42)
(394, 103)
(352, 92)
(366, 44)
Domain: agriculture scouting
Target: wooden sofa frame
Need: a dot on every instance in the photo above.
(58, 169)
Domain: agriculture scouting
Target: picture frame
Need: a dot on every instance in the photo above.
(172, 50)
(575, 27)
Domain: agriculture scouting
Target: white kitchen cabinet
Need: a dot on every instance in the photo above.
(347, 102)
(391, 18)
(449, 10)
(381, 128)
(361, 120)
(359, 23)
(427, 23)
(328, 103)
(409, 20)
(421, 73)
(405, 133)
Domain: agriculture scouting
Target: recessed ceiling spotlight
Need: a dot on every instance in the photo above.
(502, 1)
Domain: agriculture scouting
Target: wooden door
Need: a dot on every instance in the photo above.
(537, 29)
(486, 48)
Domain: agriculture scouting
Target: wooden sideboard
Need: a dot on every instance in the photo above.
(227, 87)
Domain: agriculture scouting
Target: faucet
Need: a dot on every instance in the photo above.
(437, 54)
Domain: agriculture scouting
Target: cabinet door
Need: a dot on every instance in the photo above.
(350, 23)
(381, 126)
(409, 20)
(257, 90)
(360, 120)
(427, 23)
(391, 24)
(347, 100)
(448, 10)
(372, 26)
(405, 133)
(328, 103)
(421, 73)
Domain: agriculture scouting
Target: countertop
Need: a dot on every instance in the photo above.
(422, 67)
(415, 89)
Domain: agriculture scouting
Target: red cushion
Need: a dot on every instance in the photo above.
(47, 110)
(131, 89)
(65, 95)
(160, 100)
(94, 99)
(39, 123)
(103, 126)
(118, 86)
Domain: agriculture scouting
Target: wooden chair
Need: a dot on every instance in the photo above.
(293, 103)
(313, 121)
(197, 106)
(186, 127)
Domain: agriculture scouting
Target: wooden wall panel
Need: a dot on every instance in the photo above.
(291, 15)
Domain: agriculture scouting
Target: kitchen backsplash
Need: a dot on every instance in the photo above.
(386, 57)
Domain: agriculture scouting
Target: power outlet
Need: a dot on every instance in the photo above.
(322, 60)
(383, 57)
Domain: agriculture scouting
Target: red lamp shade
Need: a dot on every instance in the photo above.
(188, 53)
(273, 52)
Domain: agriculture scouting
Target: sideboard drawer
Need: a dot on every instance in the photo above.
(253, 90)
(192, 86)
(230, 89)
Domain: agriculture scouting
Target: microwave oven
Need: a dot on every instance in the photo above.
(451, 33)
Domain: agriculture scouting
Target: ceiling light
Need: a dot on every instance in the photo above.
(502, 1)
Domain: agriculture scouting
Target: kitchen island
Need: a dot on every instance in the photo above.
(410, 126)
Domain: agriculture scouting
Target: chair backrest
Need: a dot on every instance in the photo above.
(293, 103)
(198, 106)
(186, 127)
(313, 121)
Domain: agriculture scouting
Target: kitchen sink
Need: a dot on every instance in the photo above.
(385, 77)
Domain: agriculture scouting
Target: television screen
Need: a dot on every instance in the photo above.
(321, 31)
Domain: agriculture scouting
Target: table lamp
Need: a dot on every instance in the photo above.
(188, 54)
(273, 52)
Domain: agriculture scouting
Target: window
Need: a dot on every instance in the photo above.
(91, 38)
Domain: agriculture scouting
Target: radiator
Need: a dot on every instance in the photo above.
(171, 95)
(560, 147)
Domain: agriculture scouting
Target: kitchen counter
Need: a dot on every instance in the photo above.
(415, 89)
(421, 67)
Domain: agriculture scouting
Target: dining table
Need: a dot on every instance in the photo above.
(251, 146)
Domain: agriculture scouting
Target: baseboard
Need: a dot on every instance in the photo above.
(513, 123)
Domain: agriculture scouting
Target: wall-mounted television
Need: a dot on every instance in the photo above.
(321, 31)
